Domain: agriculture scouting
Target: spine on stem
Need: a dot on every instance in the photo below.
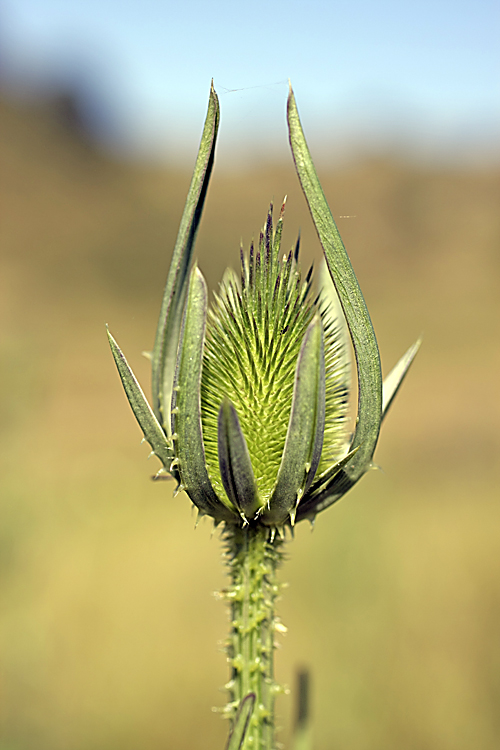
(253, 561)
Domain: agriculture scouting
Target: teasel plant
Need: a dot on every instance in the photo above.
(250, 414)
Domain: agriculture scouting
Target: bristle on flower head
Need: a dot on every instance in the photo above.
(255, 330)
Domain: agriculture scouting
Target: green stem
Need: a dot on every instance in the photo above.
(253, 561)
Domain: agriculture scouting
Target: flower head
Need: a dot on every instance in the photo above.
(251, 396)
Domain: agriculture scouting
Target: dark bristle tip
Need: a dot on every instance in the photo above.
(243, 268)
(251, 264)
(277, 285)
(297, 249)
(282, 210)
(269, 233)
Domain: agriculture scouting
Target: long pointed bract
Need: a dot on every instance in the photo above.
(234, 461)
(150, 426)
(186, 410)
(167, 335)
(393, 380)
(353, 304)
(304, 439)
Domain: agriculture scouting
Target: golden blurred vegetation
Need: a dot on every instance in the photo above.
(110, 635)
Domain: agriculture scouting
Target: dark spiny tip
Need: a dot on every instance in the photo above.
(282, 211)
(269, 233)
(243, 267)
(297, 249)
(251, 264)
(276, 287)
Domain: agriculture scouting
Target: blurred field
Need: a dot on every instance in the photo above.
(109, 632)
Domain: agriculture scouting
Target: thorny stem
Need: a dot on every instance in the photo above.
(253, 561)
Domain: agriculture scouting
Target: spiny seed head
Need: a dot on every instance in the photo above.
(255, 330)
(250, 397)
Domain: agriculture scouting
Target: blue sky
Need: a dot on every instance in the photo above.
(384, 74)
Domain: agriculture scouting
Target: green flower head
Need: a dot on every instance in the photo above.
(251, 396)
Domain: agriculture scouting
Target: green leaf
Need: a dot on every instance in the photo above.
(304, 439)
(353, 304)
(234, 462)
(396, 376)
(164, 353)
(241, 722)
(186, 410)
(150, 426)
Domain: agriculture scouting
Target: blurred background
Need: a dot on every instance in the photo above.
(110, 636)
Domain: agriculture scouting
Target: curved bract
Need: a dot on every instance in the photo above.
(251, 394)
